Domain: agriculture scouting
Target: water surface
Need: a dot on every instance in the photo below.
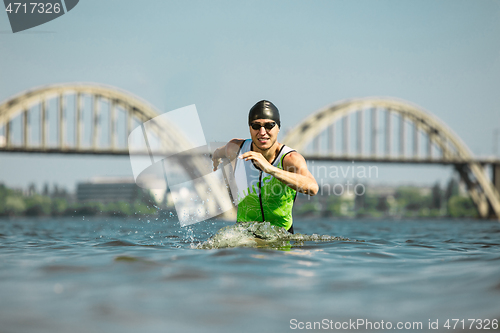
(126, 275)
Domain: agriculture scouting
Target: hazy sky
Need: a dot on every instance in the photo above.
(224, 56)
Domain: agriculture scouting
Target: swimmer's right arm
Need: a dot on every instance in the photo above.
(229, 150)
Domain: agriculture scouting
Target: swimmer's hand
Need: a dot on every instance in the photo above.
(259, 160)
(229, 151)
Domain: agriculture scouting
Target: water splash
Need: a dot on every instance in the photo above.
(259, 234)
(190, 236)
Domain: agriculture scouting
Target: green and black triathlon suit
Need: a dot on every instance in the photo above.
(261, 197)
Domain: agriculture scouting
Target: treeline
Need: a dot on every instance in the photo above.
(406, 201)
(59, 203)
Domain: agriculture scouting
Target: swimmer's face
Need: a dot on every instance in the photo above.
(262, 137)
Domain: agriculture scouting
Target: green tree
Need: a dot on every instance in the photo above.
(359, 202)
(59, 206)
(371, 202)
(334, 205)
(14, 205)
(46, 191)
(3, 196)
(87, 208)
(437, 197)
(142, 208)
(410, 198)
(451, 189)
(308, 208)
(38, 205)
(120, 208)
(382, 205)
(459, 206)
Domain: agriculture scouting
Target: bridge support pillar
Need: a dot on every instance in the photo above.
(495, 179)
(475, 193)
(496, 176)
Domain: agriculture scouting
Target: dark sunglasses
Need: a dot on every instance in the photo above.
(267, 126)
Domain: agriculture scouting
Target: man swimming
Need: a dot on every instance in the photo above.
(268, 174)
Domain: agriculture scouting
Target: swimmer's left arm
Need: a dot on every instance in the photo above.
(294, 174)
(229, 150)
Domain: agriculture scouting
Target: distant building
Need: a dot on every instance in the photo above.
(108, 190)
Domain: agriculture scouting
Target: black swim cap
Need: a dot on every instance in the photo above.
(264, 110)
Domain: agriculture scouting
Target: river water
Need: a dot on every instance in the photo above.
(131, 275)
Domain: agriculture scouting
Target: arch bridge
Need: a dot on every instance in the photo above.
(81, 118)
(398, 132)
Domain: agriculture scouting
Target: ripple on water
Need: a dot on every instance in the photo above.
(187, 274)
(132, 259)
(419, 244)
(56, 269)
(117, 243)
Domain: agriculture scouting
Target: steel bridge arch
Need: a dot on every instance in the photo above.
(453, 149)
(136, 108)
